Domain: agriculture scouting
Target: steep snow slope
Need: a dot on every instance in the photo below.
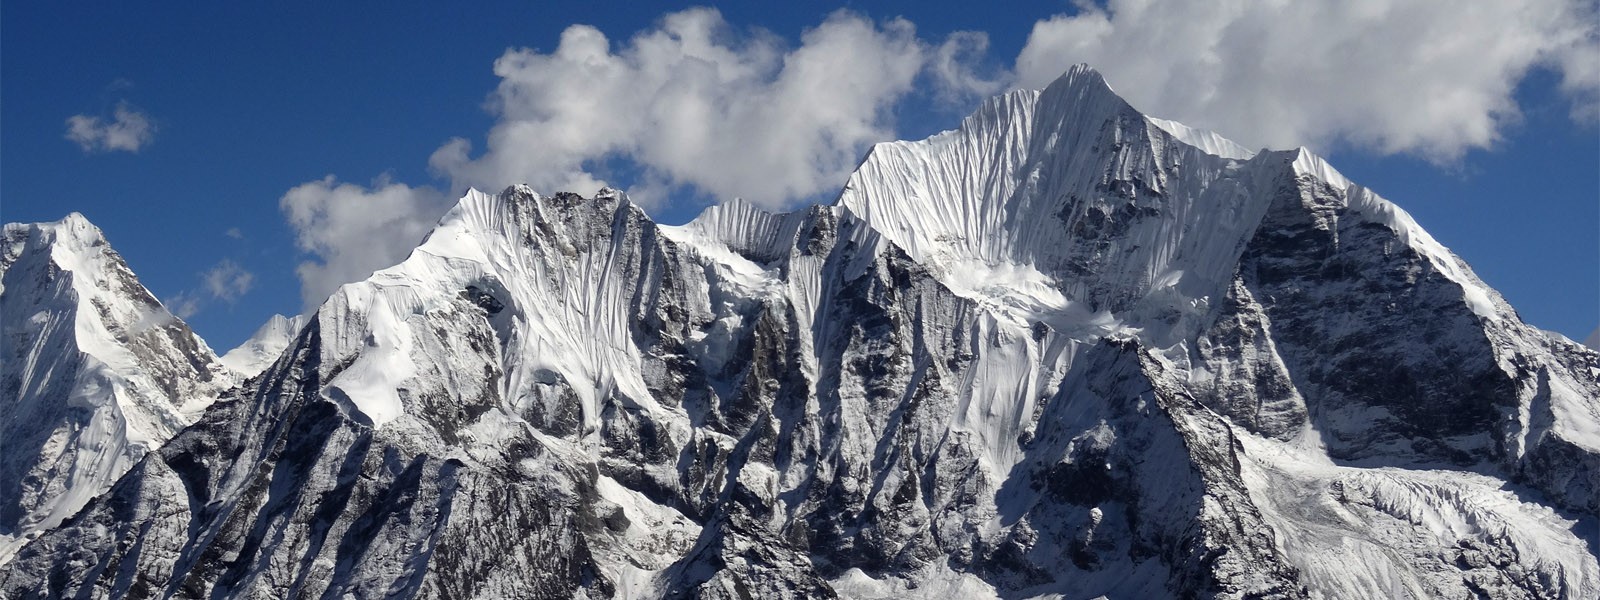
(264, 346)
(95, 373)
(1063, 351)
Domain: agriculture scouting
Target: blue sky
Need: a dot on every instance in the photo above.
(194, 123)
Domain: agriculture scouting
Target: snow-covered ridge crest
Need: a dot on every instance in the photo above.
(96, 372)
(1484, 301)
(1209, 141)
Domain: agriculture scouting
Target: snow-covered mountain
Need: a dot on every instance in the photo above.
(257, 353)
(94, 373)
(1066, 350)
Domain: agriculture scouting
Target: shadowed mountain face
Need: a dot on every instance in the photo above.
(1064, 349)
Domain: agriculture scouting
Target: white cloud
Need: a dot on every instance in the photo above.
(182, 305)
(955, 65)
(694, 103)
(352, 230)
(1429, 77)
(228, 281)
(128, 130)
(234, 232)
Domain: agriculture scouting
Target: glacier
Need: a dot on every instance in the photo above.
(1066, 350)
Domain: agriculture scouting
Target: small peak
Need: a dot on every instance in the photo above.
(1307, 162)
(613, 197)
(738, 203)
(518, 190)
(1207, 141)
(1080, 100)
(1080, 80)
(73, 231)
(79, 226)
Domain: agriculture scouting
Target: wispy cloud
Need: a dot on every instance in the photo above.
(127, 130)
(228, 281)
(183, 305)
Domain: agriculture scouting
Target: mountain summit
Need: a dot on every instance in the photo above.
(95, 373)
(1065, 350)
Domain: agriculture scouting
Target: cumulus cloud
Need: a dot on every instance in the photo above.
(351, 230)
(692, 102)
(1433, 78)
(128, 130)
(228, 281)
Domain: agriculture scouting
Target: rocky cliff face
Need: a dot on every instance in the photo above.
(1063, 350)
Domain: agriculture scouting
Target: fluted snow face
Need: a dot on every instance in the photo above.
(1065, 349)
(96, 373)
(1068, 206)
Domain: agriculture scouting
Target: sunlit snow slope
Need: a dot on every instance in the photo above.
(95, 373)
(1066, 350)
(264, 346)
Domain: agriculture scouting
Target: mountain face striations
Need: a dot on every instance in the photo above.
(1066, 350)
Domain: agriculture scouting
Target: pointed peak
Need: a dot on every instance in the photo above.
(72, 241)
(74, 226)
(264, 346)
(1307, 162)
(520, 189)
(1081, 81)
(1081, 74)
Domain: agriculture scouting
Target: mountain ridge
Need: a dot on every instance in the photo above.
(1050, 388)
(96, 373)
